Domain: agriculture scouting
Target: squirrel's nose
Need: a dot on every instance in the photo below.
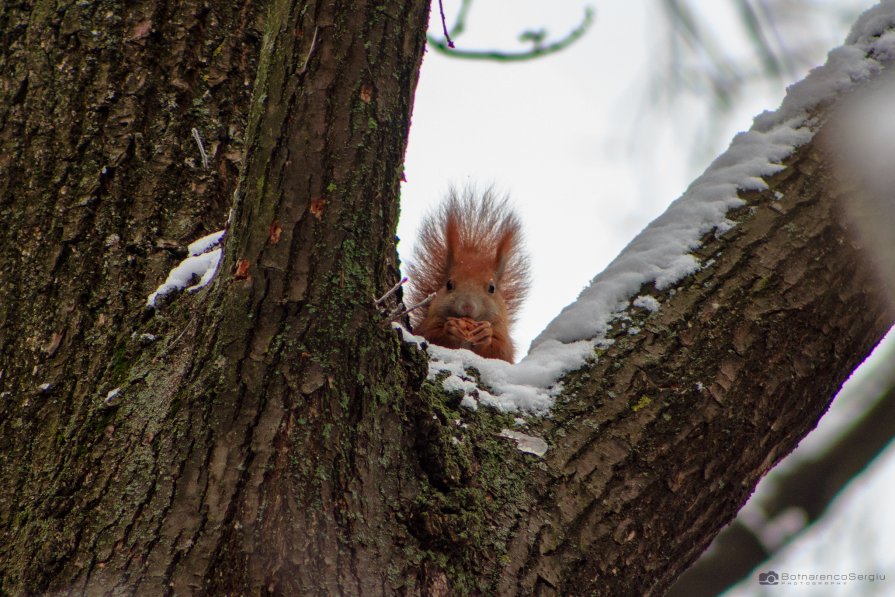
(465, 309)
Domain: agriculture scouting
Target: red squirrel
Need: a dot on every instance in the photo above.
(469, 254)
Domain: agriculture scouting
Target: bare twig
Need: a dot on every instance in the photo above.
(447, 35)
(313, 47)
(447, 47)
(402, 311)
(391, 292)
(201, 148)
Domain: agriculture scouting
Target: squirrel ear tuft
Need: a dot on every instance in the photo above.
(451, 239)
(506, 244)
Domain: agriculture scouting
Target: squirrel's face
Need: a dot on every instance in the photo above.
(471, 291)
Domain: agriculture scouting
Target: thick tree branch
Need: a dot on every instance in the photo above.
(659, 443)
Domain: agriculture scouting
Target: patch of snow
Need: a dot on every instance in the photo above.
(406, 336)
(469, 402)
(523, 386)
(529, 444)
(202, 263)
(113, 397)
(203, 266)
(146, 339)
(645, 301)
(202, 245)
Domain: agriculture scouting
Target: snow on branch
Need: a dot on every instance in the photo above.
(662, 254)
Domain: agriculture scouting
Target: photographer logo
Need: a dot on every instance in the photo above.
(772, 577)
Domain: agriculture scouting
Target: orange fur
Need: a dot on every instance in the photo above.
(473, 243)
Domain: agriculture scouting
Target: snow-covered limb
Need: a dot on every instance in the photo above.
(663, 254)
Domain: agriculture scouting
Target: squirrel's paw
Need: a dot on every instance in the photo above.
(455, 328)
(481, 334)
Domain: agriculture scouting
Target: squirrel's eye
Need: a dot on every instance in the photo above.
(492, 288)
(450, 285)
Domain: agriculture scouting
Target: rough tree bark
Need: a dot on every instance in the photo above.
(273, 437)
(809, 488)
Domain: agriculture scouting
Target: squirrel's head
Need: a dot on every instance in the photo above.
(473, 275)
(470, 255)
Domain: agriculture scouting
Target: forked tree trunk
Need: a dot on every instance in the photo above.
(272, 436)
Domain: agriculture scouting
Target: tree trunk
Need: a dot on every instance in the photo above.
(100, 184)
(272, 435)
